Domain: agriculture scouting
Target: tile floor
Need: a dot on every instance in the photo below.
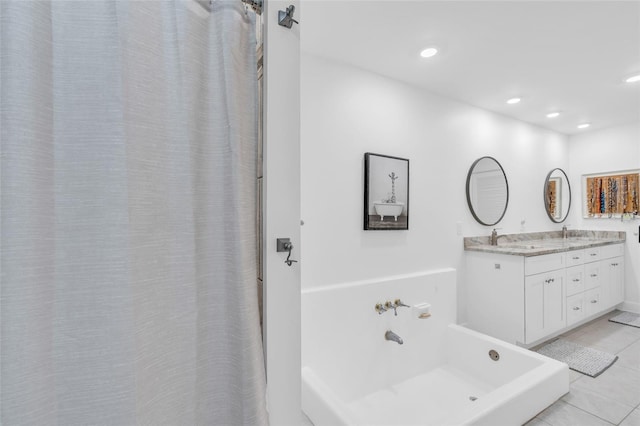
(612, 398)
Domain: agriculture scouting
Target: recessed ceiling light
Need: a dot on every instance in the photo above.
(633, 79)
(513, 101)
(583, 125)
(553, 114)
(429, 52)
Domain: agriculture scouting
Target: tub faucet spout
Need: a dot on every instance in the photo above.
(390, 335)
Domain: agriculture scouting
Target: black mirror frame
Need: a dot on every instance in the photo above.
(506, 182)
(546, 201)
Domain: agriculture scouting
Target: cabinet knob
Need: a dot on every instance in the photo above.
(594, 301)
(594, 275)
(576, 257)
(576, 308)
(576, 280)
(593, 254)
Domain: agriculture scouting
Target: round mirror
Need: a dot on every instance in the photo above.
(557, 195)
(487, 191)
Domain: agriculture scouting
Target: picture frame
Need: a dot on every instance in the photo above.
(386, 192)
(611, 195)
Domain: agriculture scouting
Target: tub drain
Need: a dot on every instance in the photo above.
(473, 398)
(494, 355)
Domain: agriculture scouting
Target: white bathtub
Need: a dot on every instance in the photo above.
(441, 375)
(469, 389)
(388, 209)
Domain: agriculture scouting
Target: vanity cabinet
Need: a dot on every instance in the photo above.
(524, 299)
(612, 271)
(544, 298)
(596, 285)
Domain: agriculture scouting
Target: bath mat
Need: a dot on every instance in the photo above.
(627, 318)
(584, 360)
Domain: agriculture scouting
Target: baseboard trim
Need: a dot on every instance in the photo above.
(630, 307)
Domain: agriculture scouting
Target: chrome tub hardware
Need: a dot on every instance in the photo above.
(380, 309)
(388, 305)
(398, 304)
(393, 337)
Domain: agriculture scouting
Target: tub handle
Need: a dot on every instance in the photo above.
(395, 305)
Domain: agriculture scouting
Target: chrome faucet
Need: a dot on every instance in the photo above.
(494, 237)
(565, 233)
(390, 335)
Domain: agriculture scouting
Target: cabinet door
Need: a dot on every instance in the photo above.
(592, 301)
(575, 308)
(613, 282)
(593, 274)
(534, 307)
(545, 305)
(554, 303)
(575, 280)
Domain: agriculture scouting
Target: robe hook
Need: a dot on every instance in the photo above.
(285, 17)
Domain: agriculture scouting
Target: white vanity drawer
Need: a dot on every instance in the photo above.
(544, 263)
(575, 308)
(592, 302)
(575, 280)
(613, 250)
(575, 257)
(592, 274)
(592, 254)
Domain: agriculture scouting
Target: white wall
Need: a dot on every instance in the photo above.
(346, 112)
(606, 151)
(281, 210)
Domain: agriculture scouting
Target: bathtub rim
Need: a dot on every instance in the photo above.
(545, 375)
(551, 374)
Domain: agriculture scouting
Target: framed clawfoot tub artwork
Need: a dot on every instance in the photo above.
(386, 192)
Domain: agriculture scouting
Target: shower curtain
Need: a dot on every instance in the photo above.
(127, 214)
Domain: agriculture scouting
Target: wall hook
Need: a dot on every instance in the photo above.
(285, 245)
(285, 17)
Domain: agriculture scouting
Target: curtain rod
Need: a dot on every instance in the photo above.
(256, 5)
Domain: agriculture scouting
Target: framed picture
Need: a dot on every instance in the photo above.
(386, 192)
(609, 195)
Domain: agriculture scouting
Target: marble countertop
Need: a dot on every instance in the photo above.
(539, 243)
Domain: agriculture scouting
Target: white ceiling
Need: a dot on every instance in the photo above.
(571, 56)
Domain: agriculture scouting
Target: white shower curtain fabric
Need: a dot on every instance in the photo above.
(127, 215)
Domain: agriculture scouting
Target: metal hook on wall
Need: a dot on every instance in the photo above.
(285, 245)
(285, 17)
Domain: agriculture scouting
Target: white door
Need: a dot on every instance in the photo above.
(281, 210)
